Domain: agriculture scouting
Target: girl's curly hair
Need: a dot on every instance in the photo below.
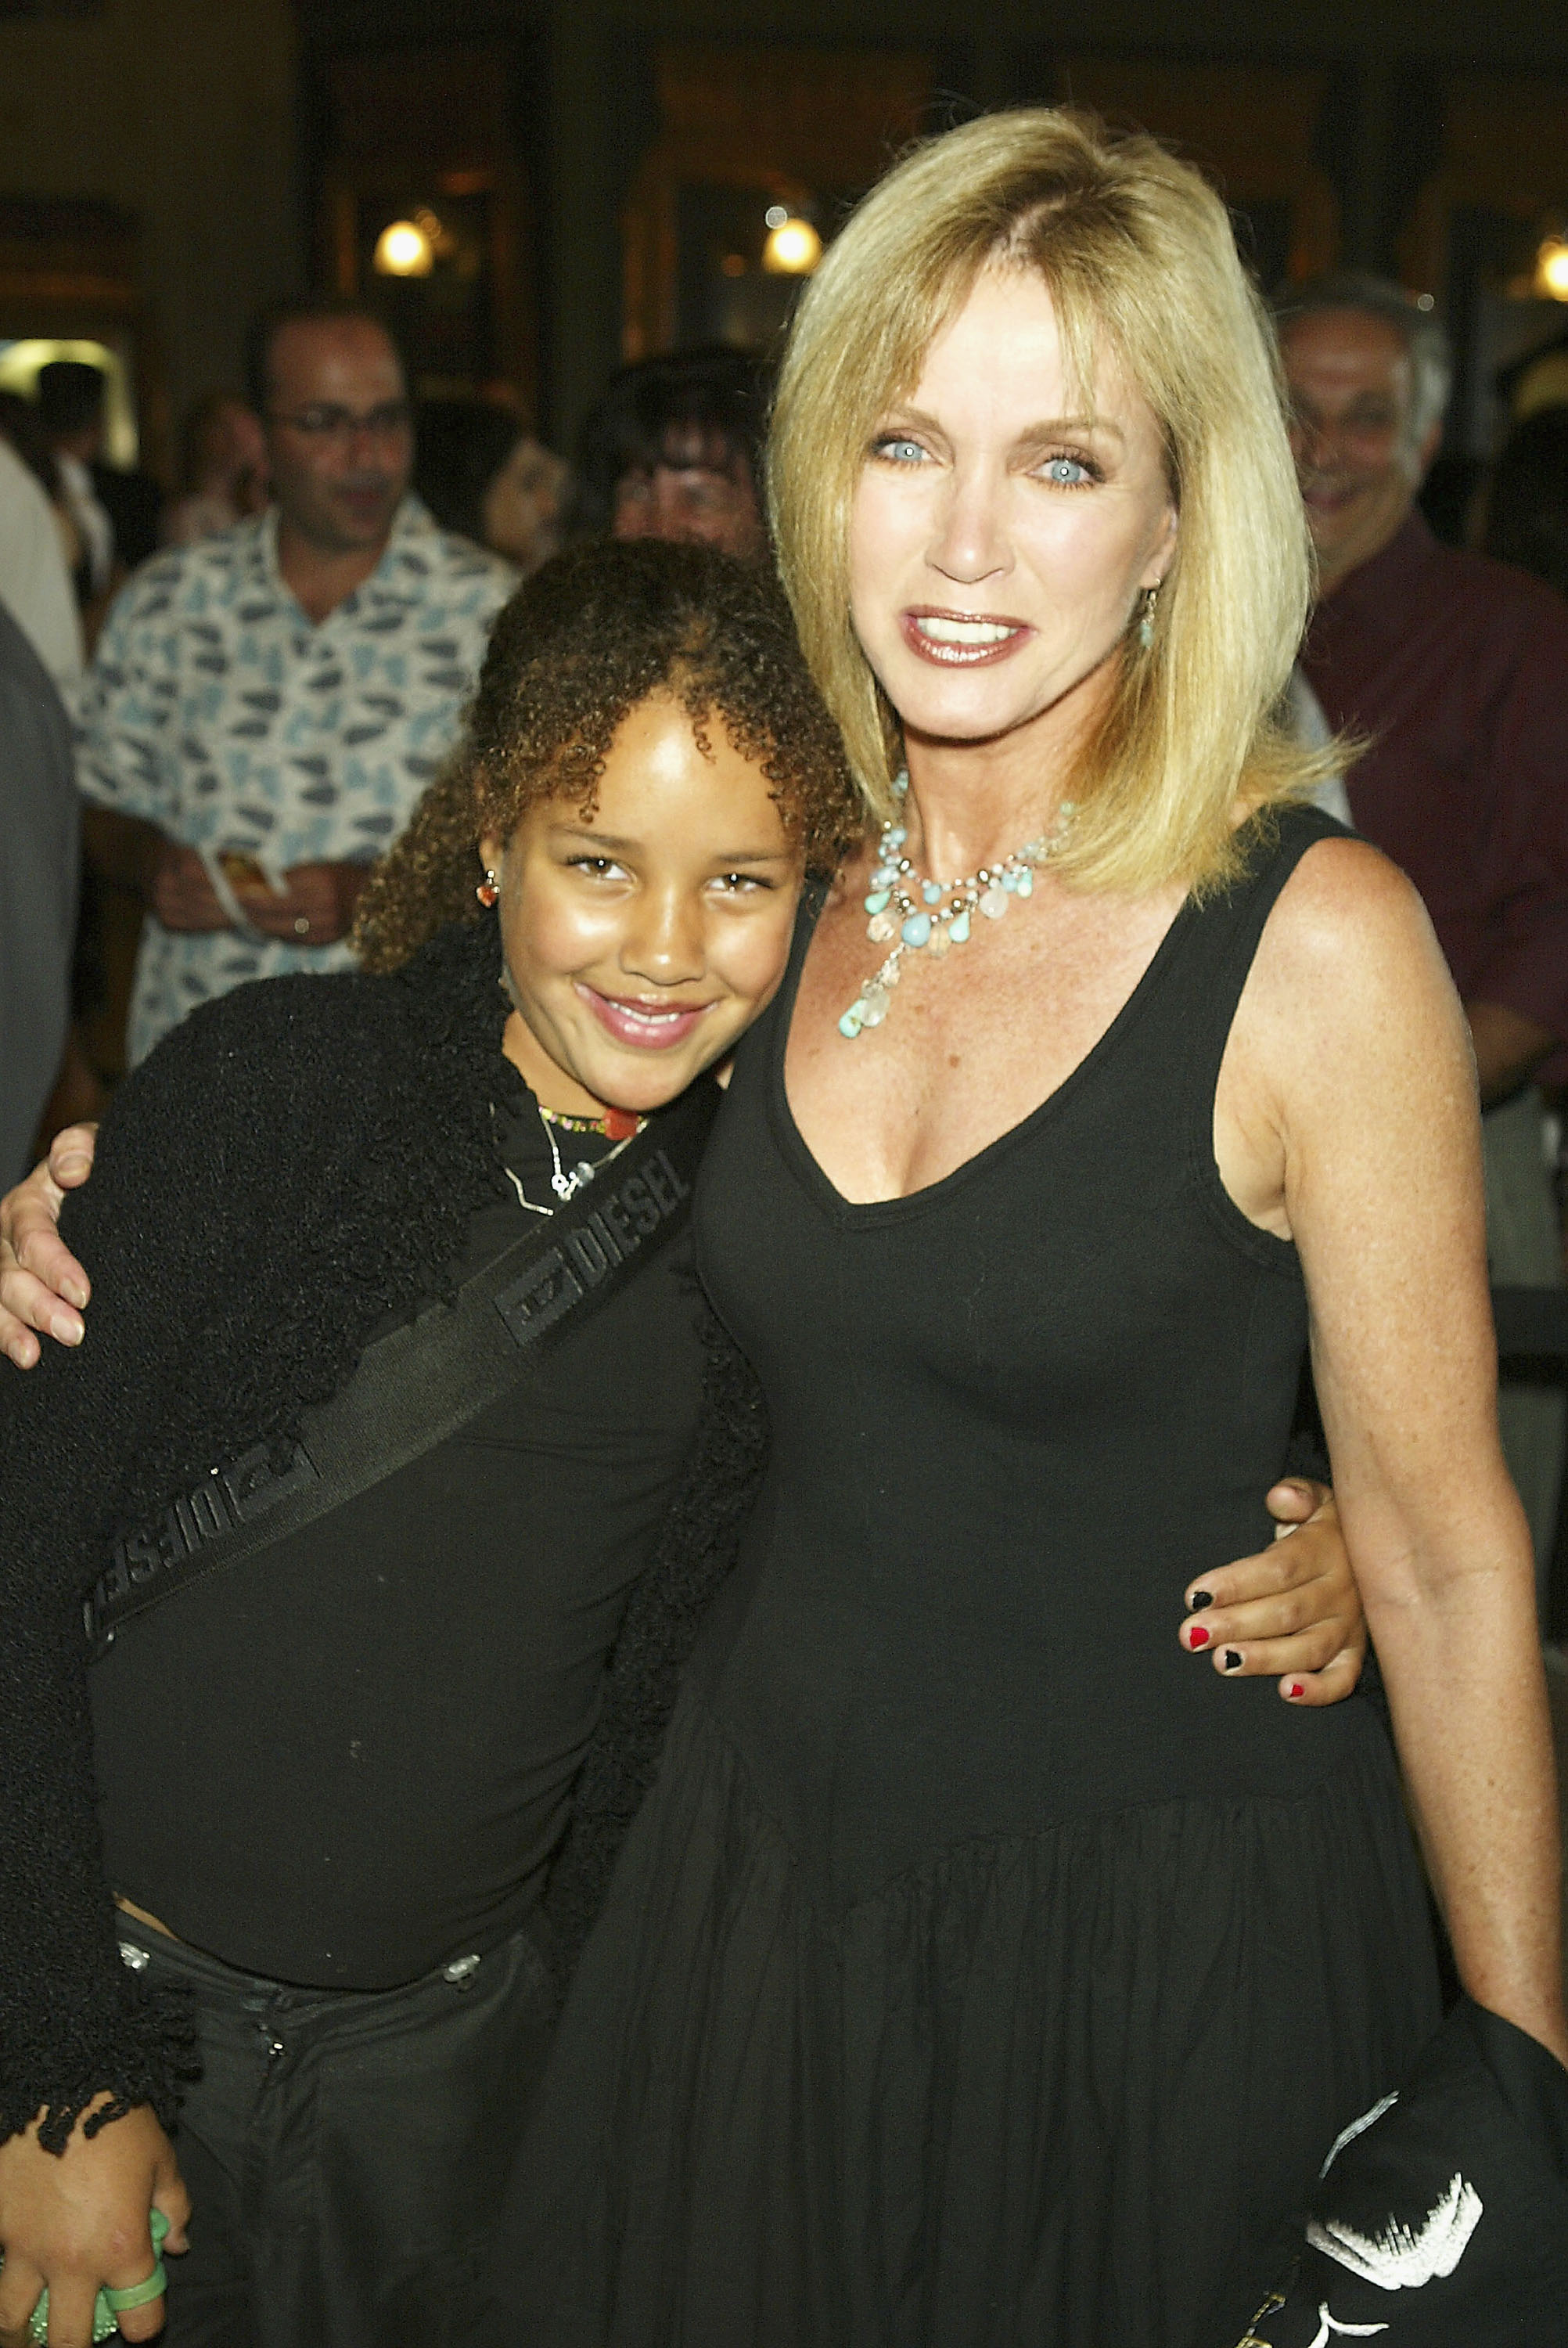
(580, 643)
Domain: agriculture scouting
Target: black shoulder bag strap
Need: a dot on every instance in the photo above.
(421, 1382)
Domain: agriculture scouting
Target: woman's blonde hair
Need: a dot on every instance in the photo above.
(1138, 256)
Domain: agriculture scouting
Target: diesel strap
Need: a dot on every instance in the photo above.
(421, 1382)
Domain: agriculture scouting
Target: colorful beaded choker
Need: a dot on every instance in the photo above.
(616, 1124)
(941, 919)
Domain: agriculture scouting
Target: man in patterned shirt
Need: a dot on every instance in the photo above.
(265, 708)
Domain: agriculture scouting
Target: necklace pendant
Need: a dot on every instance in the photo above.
(940, 939)
(882, 928)
(917, 930)
(993, 902)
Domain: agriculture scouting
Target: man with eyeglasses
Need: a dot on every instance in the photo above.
(266, 707)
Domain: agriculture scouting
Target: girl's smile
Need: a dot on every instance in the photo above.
(648, 1026)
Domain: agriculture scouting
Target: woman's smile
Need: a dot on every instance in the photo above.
(962, 639)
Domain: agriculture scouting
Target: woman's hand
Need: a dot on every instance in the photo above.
(1293, 1609)
(42, 1285)
(78, 2222)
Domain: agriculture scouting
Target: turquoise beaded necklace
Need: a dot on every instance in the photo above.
(942, 917)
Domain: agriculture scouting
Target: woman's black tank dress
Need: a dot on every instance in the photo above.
(982, 1968)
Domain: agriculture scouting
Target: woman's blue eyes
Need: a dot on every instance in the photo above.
(1062, 472)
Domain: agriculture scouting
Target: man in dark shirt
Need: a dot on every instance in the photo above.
(1451, 668)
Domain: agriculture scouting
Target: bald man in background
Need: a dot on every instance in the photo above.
(265, 708)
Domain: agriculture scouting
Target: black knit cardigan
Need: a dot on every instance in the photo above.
(295, 1161)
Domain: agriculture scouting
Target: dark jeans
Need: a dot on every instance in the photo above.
(345, 2151)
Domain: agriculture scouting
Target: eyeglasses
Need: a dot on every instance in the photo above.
(342, 424)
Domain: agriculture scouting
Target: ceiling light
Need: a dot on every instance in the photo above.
(404, 250)
(792, 250)
(1551, 270)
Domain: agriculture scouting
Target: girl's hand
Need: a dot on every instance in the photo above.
(78, 2221)
(42, 1285)
(1293, 1610)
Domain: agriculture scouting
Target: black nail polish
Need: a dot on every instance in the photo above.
(1231, 1659)
(1200, 1599)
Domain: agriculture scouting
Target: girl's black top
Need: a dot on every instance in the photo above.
(352, 1763)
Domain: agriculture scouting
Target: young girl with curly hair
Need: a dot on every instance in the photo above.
(330, 1778)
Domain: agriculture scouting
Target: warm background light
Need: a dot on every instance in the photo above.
(404, 250)
(792, 250)
(1552, 269)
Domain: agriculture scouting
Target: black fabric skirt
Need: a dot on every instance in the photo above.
(1064, 2090)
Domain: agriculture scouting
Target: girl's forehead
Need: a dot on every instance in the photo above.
(667, 767)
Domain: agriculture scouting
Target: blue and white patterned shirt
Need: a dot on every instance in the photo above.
(216, 709)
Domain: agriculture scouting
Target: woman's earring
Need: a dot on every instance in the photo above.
(1146, 624)
(488, 888)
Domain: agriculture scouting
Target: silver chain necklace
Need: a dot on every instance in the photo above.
(565, 1185)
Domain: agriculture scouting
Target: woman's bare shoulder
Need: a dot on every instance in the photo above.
(1347, 936)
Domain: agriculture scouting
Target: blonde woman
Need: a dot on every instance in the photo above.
(963, 1983)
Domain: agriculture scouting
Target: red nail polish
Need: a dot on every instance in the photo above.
(1199, 1637)
(1295, 1688)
